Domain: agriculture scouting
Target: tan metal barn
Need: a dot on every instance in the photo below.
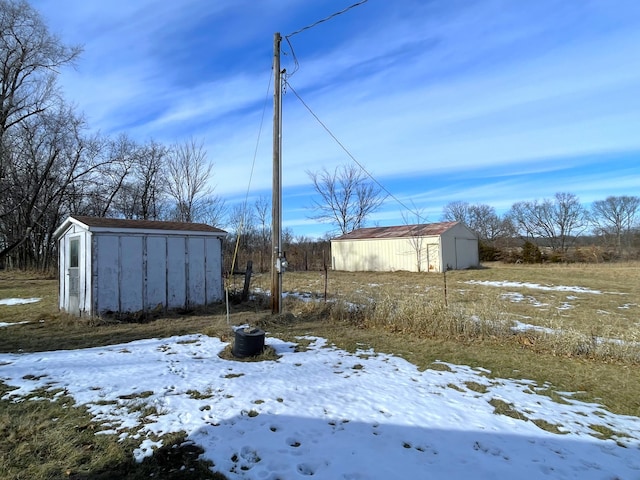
(130, 266)
(415, 248)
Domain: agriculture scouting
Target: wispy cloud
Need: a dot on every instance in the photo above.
(516, 98)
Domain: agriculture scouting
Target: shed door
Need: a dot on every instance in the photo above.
(74, 276)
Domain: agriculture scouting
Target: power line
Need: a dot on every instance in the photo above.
(253, 164)
(348, 152)
(287, 37)
(326, 19)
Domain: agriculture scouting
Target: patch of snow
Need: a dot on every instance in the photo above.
(627, 306)
(523, 327)
(330, 413)
(5, 324)
(535, 286)
(18, 301)
(516, 297)
(565, 306)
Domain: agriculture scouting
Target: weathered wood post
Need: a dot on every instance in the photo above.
(247, 281)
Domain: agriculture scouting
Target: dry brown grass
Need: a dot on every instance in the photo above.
(52, 439)
(584, 323)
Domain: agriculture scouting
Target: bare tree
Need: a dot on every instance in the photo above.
(112, 186)
(30, 57)
(188, 173)
(48, 156)
(457, 212)
(210, 210)
(616, 217)
(480, 218)
(558, 221)
(141, 194)
(347, 197)
(263, 210)
(416, 240)
(150, 180)
(241, 226)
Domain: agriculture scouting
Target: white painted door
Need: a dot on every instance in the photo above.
(74, 276)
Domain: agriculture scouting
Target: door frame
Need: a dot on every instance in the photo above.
(73, 275)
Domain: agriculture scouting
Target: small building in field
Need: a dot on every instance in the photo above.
(431, 247)
(110, 265)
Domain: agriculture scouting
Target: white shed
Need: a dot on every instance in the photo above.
(415, 248)
(129, 266)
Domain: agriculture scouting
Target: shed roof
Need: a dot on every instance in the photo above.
(117, 224)
(401, 231)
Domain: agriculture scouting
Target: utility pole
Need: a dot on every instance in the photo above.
(278, 262)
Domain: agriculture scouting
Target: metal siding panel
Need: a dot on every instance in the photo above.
(88, 279)
(107, 267)
(361, 258)
(213, 271)
(385, 255)
(339, 255)
(403, 256)
(156, 272)
(85, 274)
(62, 272)
(196, 275)
(131, 273)
(448, 250)
(380, 254)
(94, 276)
(176, 273)
(467, 253)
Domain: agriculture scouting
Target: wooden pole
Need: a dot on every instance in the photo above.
(247, 281)
(326, 275)
(276, 206)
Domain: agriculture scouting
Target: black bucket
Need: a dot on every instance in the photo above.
(248, 342)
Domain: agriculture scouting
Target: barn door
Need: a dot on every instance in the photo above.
(74, 276)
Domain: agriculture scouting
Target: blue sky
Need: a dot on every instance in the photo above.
(487, 101)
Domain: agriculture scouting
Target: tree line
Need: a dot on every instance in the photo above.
(549, 228)
(52, 166)
(559, 225)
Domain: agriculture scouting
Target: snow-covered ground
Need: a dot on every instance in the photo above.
(9, 324)
(330, 414)
(535, 286)
(18, 301)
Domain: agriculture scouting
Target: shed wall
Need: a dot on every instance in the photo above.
(384, 255)
(460, 248)
(140, 272)
(455, 248)
(156, 267)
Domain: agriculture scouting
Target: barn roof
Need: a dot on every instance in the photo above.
(117, 224)
(401, 231)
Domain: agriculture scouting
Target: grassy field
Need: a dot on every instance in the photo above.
(591, 345)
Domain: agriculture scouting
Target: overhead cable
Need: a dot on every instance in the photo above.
(287, 37)
(326, 19)
(349, 153)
